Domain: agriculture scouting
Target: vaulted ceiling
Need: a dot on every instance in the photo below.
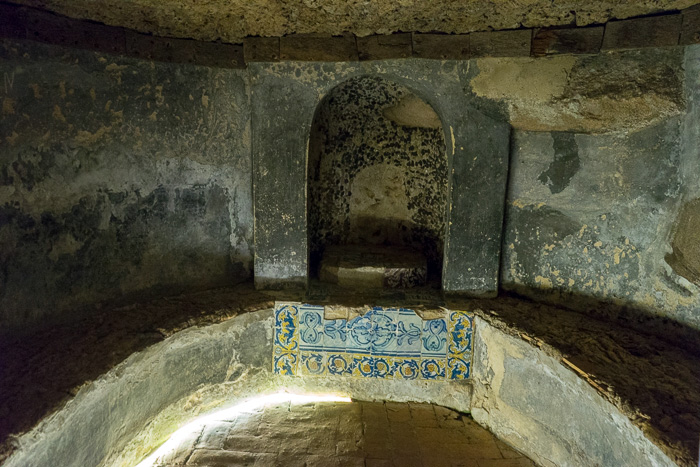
(231, 20)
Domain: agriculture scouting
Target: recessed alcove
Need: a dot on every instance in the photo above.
(377, 186)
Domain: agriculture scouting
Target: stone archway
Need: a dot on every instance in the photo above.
(377, 176)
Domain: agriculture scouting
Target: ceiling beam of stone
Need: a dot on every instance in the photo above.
(232, 20)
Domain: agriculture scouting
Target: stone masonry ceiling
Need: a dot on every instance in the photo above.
(232, 20)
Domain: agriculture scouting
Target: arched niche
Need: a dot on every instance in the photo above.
(377, 179)
(284, 99)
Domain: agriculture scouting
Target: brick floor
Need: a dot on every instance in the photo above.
(345, 434)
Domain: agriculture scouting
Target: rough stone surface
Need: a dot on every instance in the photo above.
(377, 170)
(232, 21)
(539, 406)
(342, 434)
(646, 367)
(118, 178)
(589, 94)
(611, 215)
(594, 216)
(685, 258)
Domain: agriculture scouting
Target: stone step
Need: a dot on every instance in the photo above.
(373, 266)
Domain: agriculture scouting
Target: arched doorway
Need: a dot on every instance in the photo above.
(377, 185)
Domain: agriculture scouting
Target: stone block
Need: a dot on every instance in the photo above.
(218, 55)
(261, 49)
(383, 47)
(514, 43)
(655, 31)
(567, 41)
(162, 49)
(441, 46)
(59, 30)
(373, 267)
(690, 30)
(318, 49)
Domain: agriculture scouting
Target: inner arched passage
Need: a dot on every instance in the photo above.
(377, 173)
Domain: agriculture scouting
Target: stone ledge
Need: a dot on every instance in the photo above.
(654, 31)
(441, 46)
(514, 43)
(385, 47)
(550, 41)
(682, 28)
(319, 49)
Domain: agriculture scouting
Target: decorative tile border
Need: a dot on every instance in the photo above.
(384, 343)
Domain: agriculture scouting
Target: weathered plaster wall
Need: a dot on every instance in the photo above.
(377, 170)
(593, 215)
(535, 404)
(118, 178)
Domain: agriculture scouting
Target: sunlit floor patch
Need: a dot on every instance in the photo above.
(322, 431)
(183, 437)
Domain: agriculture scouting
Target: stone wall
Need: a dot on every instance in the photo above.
(119, 179)
(594, 216)
(377, 170)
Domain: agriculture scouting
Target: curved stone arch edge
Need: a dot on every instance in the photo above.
(122, 417)
(286, 97)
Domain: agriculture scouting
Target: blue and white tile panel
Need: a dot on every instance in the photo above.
(387, 343)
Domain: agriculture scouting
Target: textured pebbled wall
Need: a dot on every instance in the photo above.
(119, 179)
(377, 170)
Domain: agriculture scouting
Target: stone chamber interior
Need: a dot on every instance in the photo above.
(377, 181)
(240, 233)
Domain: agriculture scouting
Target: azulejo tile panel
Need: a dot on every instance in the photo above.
(384, 343)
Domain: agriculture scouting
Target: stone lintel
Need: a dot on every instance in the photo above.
(385, 47)
(655, 31)
(165, 49)
(318, 48)
(513, 43)
(441, 46)
(261, 49)
(50, 28)
(548, 41)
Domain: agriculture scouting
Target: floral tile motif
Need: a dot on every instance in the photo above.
(361, 366)
(461, 326)
(313, 363)
(407, 368)
(337, 364)
(434, 338)
(335, 335)
(432, 368)
(408, 334)
(458, 368)
(384, 343)
(284, 363)
(311, 328)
